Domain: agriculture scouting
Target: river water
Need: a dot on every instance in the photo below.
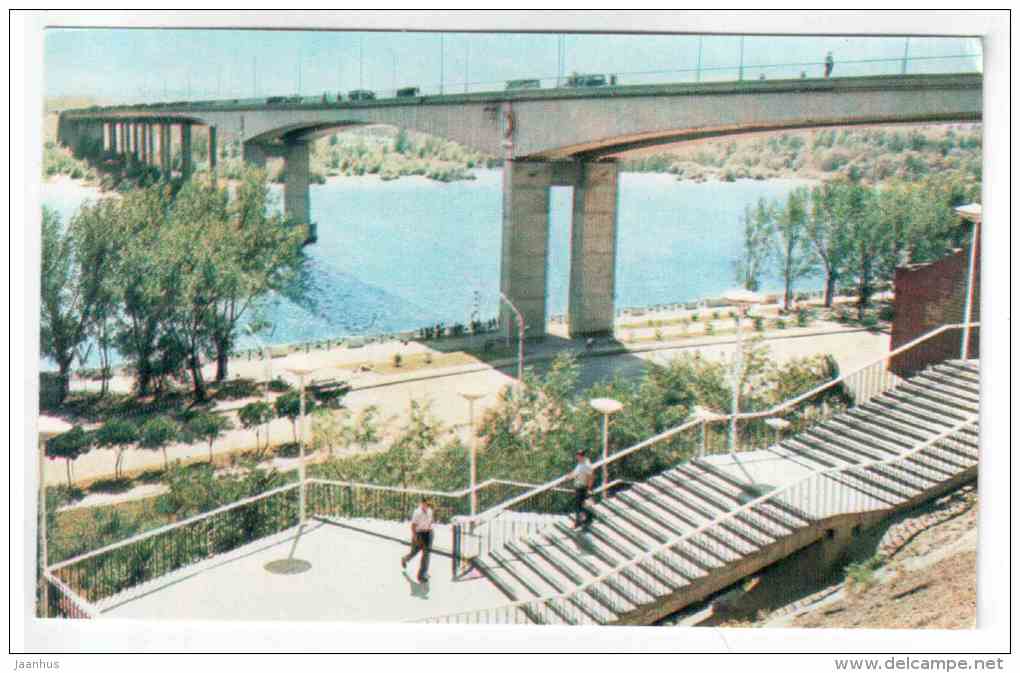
(398, 255)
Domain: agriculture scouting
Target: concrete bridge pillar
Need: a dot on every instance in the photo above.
(107, 137)
(255, 155)
(296, 198)
(123, 143)
(150, 146)
(525, 256)
(186, 163)
(212, 153)
(166, 165)
(593, 249)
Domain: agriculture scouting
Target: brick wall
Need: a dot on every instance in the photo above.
(930, 295)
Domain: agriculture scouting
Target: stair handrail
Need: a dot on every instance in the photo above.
(421, 491)
(726, 516)
(495, 510)
(785, 406)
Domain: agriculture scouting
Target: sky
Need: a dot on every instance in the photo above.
(141, 65)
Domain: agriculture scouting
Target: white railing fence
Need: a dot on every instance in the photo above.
(824, 493)
(490, 529)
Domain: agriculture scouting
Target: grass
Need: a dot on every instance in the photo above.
(860, 576)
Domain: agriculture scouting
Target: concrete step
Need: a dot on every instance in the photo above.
(505, 582)
(959, 383)
(530, 587)
(682, 564)
(612, 552)
(859, 448)
(924, 407)
(550, 574)
(725, 533)
(950, 390)
(884, 424)
(873, 484)
(966, 366)
(824, 445)
(648, 526)
(784, 514)
(625, 589)
(951, 404)
(922, 418)
(889, 444)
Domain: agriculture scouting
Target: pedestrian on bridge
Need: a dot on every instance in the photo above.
(421, 538)
(829, 62)
(584, 479)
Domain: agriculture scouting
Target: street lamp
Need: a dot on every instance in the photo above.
(520, 337)
(607, 407)
(301, 371)
(743, 300)
(972, 213)
(49, 427)
(471, 396)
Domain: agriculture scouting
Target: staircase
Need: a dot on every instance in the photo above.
(558, 560)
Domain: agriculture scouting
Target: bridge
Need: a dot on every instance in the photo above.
(547, 137)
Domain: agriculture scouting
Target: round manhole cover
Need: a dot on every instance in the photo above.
(288, 566)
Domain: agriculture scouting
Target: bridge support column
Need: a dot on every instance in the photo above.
(151, 147)
(296, 198)
(186, 164)
(593, 249)
(212, 153)
(255, 155)
(166, 165)
(525, 256)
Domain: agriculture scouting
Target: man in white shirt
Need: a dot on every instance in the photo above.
(421, 538)
(584, 479)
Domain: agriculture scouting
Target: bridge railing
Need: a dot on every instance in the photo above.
(818, 495)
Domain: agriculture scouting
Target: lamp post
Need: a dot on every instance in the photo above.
(301, 371)
(743, 300)
(972, 213)
(49, 428)
(471, 396)
(607, 407)
(520, 337)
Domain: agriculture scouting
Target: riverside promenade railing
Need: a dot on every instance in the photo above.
(490, 529)
(110, 570)
(821, 494)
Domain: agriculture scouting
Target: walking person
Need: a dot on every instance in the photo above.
(584, 479)
(421, 538)
(829, 62)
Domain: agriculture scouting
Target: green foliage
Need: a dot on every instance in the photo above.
(208, 427)
(69, 446)
(253, 416)
(861, 575)
(278, 385)
(398, 359)
(156, 434)
(756, 245)
(288, 406)
(116, 434)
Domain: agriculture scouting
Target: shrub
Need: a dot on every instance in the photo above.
(658, 335)
(709, 329)
(870, 321)
(759, 324)
(887, 313)
(860, 576)
(803, 317)
(695, 317)
(715, 315)
(397, 359)
(278, 385)
(780, 323)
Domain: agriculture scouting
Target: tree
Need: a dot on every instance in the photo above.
(403, 460)
(156, 434)
(794, 255)
(117, 434)
(288, 406)
(209, 426)
(253, 416)
(69, 446)
(756, 244)
(831, 208)
(328, 429)
(869, 241)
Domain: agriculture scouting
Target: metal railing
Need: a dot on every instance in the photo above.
(822, 494)
(353, 500)
(110, 570)
(488, 530)
(63, 602)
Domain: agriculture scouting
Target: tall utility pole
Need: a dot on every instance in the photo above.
(467, 61)
(741, 73)
(299, 73)
(561, 57)
(189, 83)
(906, 50)
(441, 64)
(394, 55)
(339, 76)
(361, 62)
(700, 38)
(254, 77)
(219, 80)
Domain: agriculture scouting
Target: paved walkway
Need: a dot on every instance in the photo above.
(393, 393)
(355, 576)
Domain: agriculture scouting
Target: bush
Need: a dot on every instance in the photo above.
(804, 317)
(759, 324)
(780, 323)
(695, 317)
(870, 321)
(397, 359)
(278, 385)
(887, 313)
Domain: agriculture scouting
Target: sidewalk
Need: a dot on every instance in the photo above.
(441, 387)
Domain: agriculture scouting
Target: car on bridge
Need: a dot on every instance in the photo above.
(578, 81)
(408, 92)
(361, 94)
(523, 84)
